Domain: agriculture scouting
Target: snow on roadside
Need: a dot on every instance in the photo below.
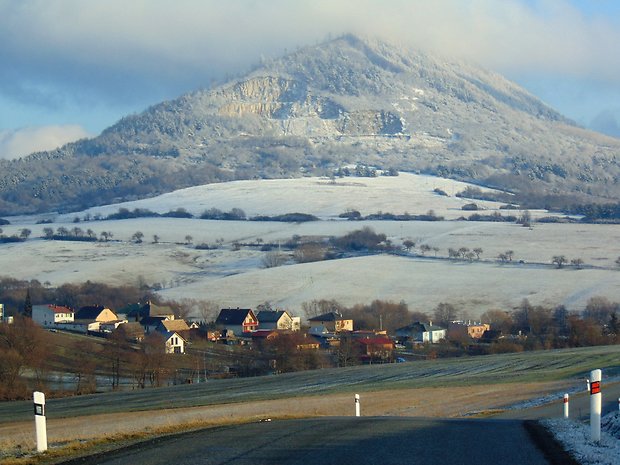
(575, 438)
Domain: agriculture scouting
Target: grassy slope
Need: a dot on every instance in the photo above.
(543, 366)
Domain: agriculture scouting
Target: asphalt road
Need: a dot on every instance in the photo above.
(579, 405)
(342, 441)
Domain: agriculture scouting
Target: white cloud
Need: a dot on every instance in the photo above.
(20, 142)
(76, 53)
(169, 39)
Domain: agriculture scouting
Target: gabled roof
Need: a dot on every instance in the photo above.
(148, 309)
(233, 316)
(152, 321)
(331, 316)
(270, 316)
(169, 334)
(90, 312)
(174, 325)
(59, 309)
(419, 326)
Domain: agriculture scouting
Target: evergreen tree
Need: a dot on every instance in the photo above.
(28, 305)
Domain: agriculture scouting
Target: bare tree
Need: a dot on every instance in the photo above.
(408, 244)
(425, 248)
(273, 259)
(478, 251)
(463, 251)
(559, 260)
(137, 237)
(577, 263)
(188, 239)
(25, 233)
(444, 313)
(155, 239)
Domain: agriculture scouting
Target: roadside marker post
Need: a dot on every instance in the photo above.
(357, 405)
(565, 405)
(596, 404)
(39, 421)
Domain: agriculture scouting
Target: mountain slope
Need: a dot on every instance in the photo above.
(344, 101)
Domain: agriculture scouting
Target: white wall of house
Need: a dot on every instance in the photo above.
(49, 316)
(80, 326)
(434, 336)
(175, 344)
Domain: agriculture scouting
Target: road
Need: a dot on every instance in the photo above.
(579, 405)
(340, 440)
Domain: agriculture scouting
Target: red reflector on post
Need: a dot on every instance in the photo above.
(595, 387)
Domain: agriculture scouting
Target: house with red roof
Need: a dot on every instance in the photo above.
(51, 315)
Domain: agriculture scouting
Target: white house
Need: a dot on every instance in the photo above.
(278, 319)
(421, 332)
(241, 321)
(175, 344)
(49, 316)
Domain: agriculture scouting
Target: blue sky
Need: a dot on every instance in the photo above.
(70, 68)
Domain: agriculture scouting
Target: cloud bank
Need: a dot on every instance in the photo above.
(71, 52)
(24, 141)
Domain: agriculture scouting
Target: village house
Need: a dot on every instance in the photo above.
(420, 333)
(373, 349)
(90, 318)
(177, 326)
(333, 321)
(49, 316)
(136, 312)
(278, 319)
(460, 329)
(175, 343)
(241, 321)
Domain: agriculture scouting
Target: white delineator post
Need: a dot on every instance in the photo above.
(565, 405)
(357, 405)
(596, 404)
(39, 421)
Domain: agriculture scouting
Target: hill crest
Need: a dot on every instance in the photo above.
(347, 100)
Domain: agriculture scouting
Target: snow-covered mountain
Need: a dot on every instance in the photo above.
(347, 100)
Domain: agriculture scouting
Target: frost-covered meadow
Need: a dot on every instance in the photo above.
(238, 278)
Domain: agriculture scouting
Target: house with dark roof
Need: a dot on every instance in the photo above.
(137, 312)
(90, 318)
(420, 333)
(241, 321)
(332, 321)
(277, 319)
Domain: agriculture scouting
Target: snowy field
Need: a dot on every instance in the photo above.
(237, 278)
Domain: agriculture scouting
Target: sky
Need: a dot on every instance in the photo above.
(71, 68)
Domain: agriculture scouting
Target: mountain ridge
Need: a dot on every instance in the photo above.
(348, 100)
